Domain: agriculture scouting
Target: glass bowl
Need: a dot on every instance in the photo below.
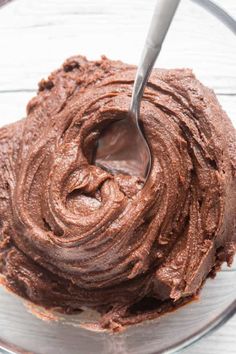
(36, 37)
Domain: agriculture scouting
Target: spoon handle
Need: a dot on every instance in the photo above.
(161, 20)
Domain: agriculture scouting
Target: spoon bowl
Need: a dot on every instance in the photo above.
(122, 148)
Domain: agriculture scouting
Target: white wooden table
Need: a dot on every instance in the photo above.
(36, 36)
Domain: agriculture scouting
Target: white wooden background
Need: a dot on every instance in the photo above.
(37, 35)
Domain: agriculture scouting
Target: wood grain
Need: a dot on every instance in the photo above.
(36, 36)
(221, 342)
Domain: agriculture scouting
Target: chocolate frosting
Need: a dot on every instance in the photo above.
(74, 235)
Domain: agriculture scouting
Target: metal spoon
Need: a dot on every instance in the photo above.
(122, 148)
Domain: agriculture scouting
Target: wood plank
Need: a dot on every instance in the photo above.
(220, 342)
(13, 106)
(36, 36)
(228, 103)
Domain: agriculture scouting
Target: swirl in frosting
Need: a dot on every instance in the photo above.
(74, 235)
